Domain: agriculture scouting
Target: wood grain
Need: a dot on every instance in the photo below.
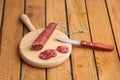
(114, 11)
(35, 10)
(32, 57)
(11, 35)
(1, 14)
(107, 62)
(99, 18)
(55, 12)
(82, 58)
(1, 10)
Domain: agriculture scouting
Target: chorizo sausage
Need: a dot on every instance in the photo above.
(43, 37)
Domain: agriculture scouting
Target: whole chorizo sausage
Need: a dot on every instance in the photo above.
(43, 37)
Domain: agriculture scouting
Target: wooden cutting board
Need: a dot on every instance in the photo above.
(32, 57)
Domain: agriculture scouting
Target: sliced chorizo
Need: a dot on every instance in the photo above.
(47, 54)
(62, 49)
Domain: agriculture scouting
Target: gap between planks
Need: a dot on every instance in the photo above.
(55, 12)
(33, 10)
(91, 39)
(107, 64)
(112, 28)
(2, 5)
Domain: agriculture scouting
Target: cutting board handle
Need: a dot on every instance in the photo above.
(27, 21)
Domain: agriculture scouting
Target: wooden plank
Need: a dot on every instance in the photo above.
(1, 14)
(114, 11)
(11, 35)
(35, 10)
(82, 58)
(55, 12)
(1, 10)
(107, 62)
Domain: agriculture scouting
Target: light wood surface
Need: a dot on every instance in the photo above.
(35, 10)
(81, 57)
(99, 19)
(107, 63)
(11, 35)
(114, 11)
(1, 10)
(55, 12)
(32, 57)
(1, 14)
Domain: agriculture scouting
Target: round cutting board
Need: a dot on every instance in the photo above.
(32, 57)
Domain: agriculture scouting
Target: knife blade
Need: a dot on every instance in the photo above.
(84, 43)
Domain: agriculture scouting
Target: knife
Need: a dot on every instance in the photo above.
(84, 43)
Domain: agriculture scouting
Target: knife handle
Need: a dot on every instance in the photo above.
(97, 46)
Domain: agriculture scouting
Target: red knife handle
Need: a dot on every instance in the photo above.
(97, 46)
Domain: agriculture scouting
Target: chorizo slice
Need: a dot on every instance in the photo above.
(47, 54)
(62, 49)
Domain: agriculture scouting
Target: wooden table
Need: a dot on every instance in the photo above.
(99, 18)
